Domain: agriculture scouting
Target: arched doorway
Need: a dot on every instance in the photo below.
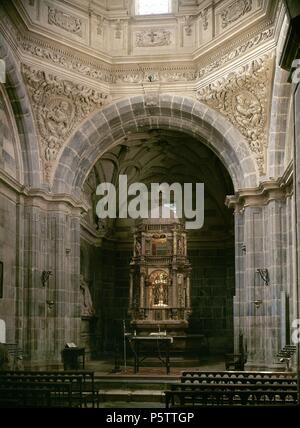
(176, 131)
(156, 157)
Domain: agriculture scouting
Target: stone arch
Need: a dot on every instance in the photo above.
(279, 117)
(20, 104)
(106, 128)
(11, 161)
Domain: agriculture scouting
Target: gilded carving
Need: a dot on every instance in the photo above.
(234, 11)
(65, 21)
(59, 105)
(153, 38)
(242, 96)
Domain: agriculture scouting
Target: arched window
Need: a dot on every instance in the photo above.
(153, 7)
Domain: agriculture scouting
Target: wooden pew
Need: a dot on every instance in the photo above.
(194, 375)
(86, 392)
(60, 392)
(75, 381)
(248, 380)
(24, 397)
(233, 388)
(231, 397)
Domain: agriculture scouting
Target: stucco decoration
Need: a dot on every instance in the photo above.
(243, 97)
(59, 105)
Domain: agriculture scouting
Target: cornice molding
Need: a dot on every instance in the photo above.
(267, 191)
(31, 195)
(119, 72)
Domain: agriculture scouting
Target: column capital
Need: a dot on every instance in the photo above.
(261, 195)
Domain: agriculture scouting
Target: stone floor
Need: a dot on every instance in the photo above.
(125, 389)
(154, 367)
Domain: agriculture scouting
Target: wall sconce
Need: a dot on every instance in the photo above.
(50, 304)
(264, 274)
(243, 248)
(45, 276)
(257, 303)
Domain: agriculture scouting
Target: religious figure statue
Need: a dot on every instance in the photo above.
(138, 248)
(180, 246)
(57, 119)
(87, 308)
(248, 113)
(51, 150)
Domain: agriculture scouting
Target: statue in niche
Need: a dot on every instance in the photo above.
(51, 150)
(56, 118)
(160, 289)
(138, 248)
(248, 112)
(180, 246)
(87, 308)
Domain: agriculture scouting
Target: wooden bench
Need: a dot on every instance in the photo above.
(60, 392)
(241, 396)
(76, 382)
(237, 377)
(86, 392)
(24, 397)
(194, 375)
(233, 388)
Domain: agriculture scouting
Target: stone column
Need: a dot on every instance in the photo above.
(188, 291)
(52, 244)
(260, 243)
(174, 289)
(239, 311)
(142, 290)
(130, 289)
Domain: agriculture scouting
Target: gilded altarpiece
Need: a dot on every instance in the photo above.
(159, 297)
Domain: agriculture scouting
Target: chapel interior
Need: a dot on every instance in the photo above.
(159, 91)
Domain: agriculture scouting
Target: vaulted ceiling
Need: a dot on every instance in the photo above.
(161, 156)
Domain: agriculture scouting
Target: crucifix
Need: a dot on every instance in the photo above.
(152, 36)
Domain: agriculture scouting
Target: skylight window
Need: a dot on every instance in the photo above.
(152, 7)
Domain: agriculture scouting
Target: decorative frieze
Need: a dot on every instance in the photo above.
(100, 25)
(203, 14)
(59, 105)
(65, 21)
(188, 20)
(243, 96)
(101, 72)
(234, 11)
(153, 38)
(235, 53)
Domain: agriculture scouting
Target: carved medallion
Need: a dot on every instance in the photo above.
(234, 11)
(153, 38)
(59, 105)
(65, 21)
(242, 97)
